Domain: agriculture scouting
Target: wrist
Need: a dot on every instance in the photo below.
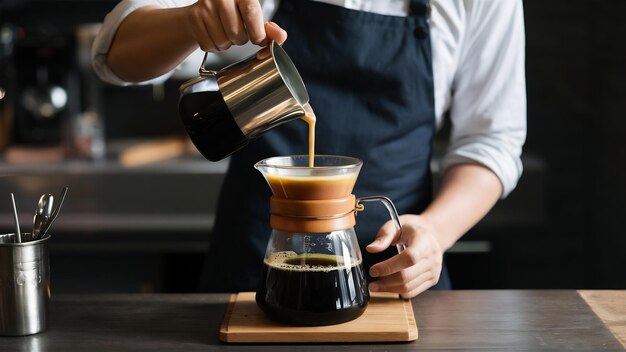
(445, 241)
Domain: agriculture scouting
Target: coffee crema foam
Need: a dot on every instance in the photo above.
(278, 261)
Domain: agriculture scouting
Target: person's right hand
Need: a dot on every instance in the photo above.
(218, 24)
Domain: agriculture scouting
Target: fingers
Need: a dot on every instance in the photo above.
(419, 289)
(252, 17)
(409, 282)
(387, 235)
(398, 281)
(403, 276)
(198, 28)
(394, 264)
(218, 24)
(416, 268)
(232, 23)
(274, 32)
(404, 287)
(215, 30)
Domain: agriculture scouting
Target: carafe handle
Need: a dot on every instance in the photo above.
(393, 213)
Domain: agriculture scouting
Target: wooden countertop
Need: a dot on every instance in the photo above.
(610, 306)
(476, 320)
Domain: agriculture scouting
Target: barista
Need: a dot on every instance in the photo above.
(380, 75)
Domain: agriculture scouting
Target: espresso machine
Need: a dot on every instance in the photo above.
(45, 85)
(51, 97)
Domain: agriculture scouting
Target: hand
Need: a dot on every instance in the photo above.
(218, 24)
(414, 270)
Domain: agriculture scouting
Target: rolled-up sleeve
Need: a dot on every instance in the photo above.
(112, 21)
(488, 107)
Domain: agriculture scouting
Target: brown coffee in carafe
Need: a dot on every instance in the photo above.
(312, 187)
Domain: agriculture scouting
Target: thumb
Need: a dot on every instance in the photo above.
(385, 237)
(273, 32)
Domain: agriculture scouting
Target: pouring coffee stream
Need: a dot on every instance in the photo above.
(310, 118)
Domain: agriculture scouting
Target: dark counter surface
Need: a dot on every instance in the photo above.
(451, 320)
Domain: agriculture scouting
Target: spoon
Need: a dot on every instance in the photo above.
(55, 213)
(42, 214)
(18, 234)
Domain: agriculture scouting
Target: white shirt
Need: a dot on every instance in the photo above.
(478, 72)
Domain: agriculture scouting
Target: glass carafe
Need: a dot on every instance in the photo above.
(313, 271)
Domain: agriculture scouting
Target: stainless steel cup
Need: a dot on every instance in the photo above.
(222, 110)
(24, 285)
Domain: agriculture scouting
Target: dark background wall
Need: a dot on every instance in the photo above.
(563, 226)
(576, 83)
(577, 120)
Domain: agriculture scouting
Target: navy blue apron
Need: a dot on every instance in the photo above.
(370, 82)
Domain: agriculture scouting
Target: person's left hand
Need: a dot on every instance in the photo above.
(414, 270)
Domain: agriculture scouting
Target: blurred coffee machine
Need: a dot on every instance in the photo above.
(45, 85)
(6, 109)
(51, 100)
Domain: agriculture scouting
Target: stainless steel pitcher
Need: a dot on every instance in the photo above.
(222, 110)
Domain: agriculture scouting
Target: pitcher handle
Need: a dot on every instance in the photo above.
(393, 213)
(203, 71)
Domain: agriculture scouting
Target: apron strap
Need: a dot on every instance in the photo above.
(419, 8)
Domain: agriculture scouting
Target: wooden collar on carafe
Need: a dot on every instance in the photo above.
(323, 215)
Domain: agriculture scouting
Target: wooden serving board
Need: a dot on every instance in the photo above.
(386, 319)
